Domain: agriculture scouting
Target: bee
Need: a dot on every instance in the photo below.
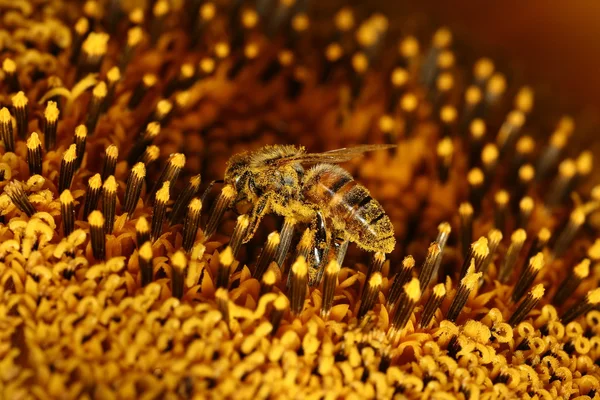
(273, 179)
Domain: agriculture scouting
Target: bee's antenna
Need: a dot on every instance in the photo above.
(208, 189)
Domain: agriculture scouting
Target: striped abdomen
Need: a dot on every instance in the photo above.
(350, 206)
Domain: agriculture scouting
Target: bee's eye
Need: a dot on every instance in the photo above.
(241, 180)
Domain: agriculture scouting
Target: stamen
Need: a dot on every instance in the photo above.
(585, 165)
(539, 242)
(536, 263)
(92, 195)
(528, 304)
(370, 294)
(98, 239)
(472, 108)
(411, 293)
(563, 184)
(93, 51)
(517, 240)
(402, 277)
(329, 284)
(478, 253)
(524, 149)
(268, 281)
(150, 155)
(226, 260)
(81, 29)
(445, 149)
(67, 168)
(433, 303)
(142, 231)
(501, 200)
(191, 223)
(110, 161)
(134, 37)
(238, 233)
(159, 12)
(564, 240)
(10, 75)
(477, 131)
(591, 300)
(50, 123)
(16, 193)
(80, 143)
(217, 210)
(169, 173)
(549, 158)
(21, 109)
(142, 144)
(525, 177)
(298, 285)
(495, 88)
(222, 298)
(96, 105)
(524, 100)
(34, 154)
(433, 253)
(476, 181)
(408, 105)
(113, 76)
(399, 79)
(286, 236)
(467, 284)
(280, 305)
(145, 262)
(465, 211)
(375, 265)
(67, 212)
(509, 130)
(483, 69)
(161, 112)
(494, 239)
(526, 206)
(109, 203)
(6, 130)
(160, 211)
(178, 272)
(139, 92)
(571, 282)
(266, 255)
(133, 189)
(184, 199)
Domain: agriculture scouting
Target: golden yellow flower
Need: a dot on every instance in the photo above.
(129, 269)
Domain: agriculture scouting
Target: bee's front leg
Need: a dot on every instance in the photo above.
(258, 211)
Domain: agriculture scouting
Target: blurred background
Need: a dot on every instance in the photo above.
(553, 45)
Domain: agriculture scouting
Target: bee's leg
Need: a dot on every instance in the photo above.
(256, 215)
(320, 250)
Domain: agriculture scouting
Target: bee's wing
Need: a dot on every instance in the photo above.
(334, 156)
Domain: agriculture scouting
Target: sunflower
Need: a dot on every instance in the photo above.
(123, 273)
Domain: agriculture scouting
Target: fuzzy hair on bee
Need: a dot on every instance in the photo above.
(273, 179)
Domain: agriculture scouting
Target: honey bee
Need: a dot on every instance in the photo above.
(273, 179)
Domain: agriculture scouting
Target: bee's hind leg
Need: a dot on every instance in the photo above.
(320, 249)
